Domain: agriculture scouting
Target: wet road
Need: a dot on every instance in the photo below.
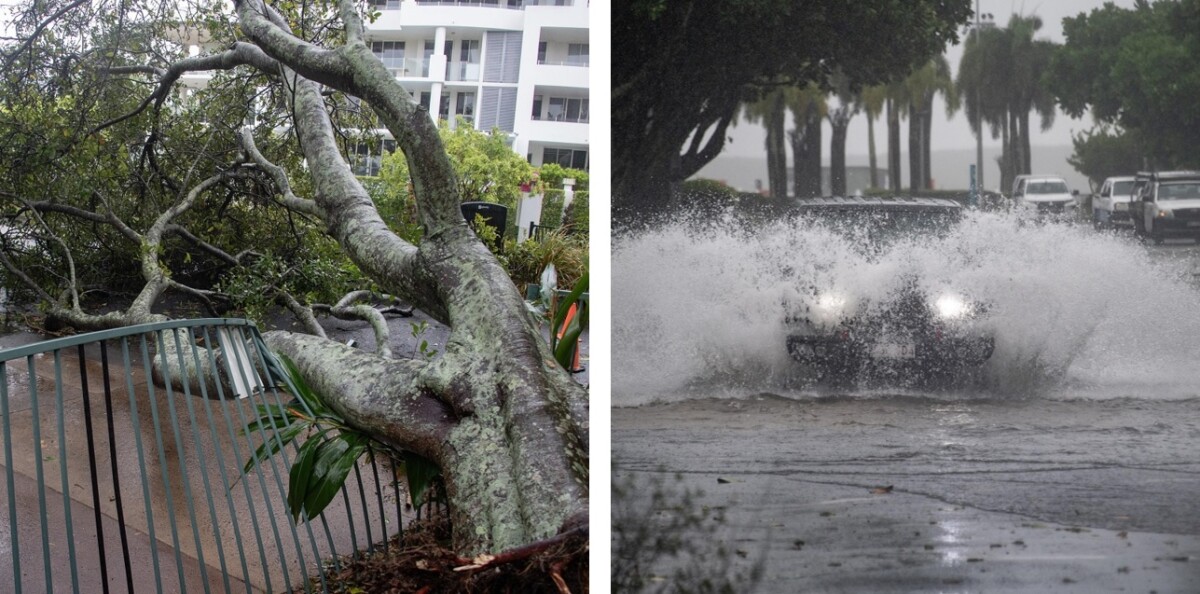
(1073, 465)
(1028, 496)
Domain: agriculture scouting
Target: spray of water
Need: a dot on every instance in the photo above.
(698, 312)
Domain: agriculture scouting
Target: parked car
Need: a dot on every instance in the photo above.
(929, 332)
(1166, 204)
(1110, 206)
(1043, 194)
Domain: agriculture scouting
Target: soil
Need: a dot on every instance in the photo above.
(420, 563)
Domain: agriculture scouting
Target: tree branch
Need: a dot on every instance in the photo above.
(12, 56)
(279, 176)
(240, 54)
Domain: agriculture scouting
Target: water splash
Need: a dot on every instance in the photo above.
(697, 312)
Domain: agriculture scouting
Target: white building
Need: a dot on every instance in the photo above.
(517, 65)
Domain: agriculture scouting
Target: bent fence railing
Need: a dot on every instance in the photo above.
(119, 475)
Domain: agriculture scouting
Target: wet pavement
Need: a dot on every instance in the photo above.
(914, 494)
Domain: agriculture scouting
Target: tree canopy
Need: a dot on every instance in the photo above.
(1136, 68)
(682, 68)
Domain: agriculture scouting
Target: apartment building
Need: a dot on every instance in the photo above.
(519, 66)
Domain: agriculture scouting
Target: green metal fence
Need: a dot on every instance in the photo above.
(122, 469)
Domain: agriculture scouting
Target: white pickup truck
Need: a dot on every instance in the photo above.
(1110, 206)
(1166, 204)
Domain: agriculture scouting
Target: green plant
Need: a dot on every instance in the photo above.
(330, 450)
(525, 261)
(564, 348)
(419, 329)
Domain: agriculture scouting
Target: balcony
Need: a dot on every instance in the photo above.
(463, 71)
(408, 67)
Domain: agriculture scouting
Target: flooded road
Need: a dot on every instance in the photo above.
(1069, 462)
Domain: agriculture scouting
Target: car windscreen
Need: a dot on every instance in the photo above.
(1187, 190)
(880, 228)
(1047, 187)
(1122, 188)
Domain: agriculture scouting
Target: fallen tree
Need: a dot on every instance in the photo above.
(505, 423)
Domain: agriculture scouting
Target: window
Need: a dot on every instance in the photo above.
(465, 106)
(541, 52)
(577, 54)
(391, 53)
(537, 107)
(563, 109)
(572, 158)
(386, 4)
(469, 51)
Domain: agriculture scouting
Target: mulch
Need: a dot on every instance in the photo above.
(420, 563)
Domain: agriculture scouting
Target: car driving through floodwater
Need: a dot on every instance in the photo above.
(916, 328)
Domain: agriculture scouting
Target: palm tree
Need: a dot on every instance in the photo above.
(770, 109)
(808, 108)
(896, 101)
(921, 86)
(872, 100)
(999, 86)
(839, 119)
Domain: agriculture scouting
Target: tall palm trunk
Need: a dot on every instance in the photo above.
(839, 120)
(806, 152)
(926, 143)
(915, 131)
(872, 163)
(893, 122)
(1026, 152)
(776, 148)
(1006, 157)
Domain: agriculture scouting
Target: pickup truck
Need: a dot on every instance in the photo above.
(1166, 204)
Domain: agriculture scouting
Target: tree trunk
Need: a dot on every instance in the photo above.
(893, 121)
(806, 152)
(776, 147)
(1006, 158)
(915, 168)
(1026, 152)
(839, 120)
(927, 143)
(871, 152)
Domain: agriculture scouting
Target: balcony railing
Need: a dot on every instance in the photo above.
(571, 62)
(583, 119)
(462, 71)
(123, 456)
(408, 68)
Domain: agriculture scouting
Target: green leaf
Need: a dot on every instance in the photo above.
(301, 473)
(420, 472)
(272, 445)
(300, 388)
(333, 466)
(564, 348)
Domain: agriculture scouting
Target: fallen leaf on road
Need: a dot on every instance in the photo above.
(721, 481)
(882, 490)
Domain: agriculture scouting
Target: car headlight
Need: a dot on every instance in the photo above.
(951, 307)
(1166, 214)
(830, 303)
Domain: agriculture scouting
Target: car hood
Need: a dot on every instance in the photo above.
(1190, 204)
(1049, 197)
